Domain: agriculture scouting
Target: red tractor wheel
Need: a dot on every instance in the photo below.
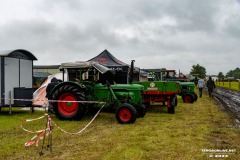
(188, 98)
(126, 114)
(67, 109)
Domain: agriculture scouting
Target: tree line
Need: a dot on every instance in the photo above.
(200, 71)
(232, 73)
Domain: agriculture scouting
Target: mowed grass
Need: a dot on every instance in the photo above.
(229, 85)
(159, 135)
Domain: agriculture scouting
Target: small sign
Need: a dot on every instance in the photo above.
(152, 89)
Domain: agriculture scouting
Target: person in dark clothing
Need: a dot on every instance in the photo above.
(210, 86)
(50, 86)
(49, 89)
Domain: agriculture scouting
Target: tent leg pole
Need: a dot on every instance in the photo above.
(32, 109)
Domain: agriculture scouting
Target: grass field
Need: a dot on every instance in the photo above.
(229, 85)
(188, 134)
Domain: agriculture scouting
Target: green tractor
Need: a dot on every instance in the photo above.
(186, 91)
(90, 82)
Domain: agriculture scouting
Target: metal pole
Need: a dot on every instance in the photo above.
(10, 105)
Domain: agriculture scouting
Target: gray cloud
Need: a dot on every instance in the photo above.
(157, 34)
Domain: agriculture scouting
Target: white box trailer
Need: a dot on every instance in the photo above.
(16, 72)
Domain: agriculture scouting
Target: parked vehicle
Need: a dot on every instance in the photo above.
(186, 91)
(185, 88)
(91, 81)
(160, 91)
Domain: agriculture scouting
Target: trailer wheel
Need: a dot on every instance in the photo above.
(69, 110)
(141, 111)
(176, 100)
(147, 104)
(171, 109)
(126, 114)
(195, 96)
(188, 98)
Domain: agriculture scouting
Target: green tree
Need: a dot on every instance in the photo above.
(198, 70)
(220, 76)
(234, 73)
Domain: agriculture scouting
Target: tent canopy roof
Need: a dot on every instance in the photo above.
(107, 59)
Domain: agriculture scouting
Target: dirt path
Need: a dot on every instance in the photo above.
(230, 100)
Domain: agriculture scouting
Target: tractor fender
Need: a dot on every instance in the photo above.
(75, 84)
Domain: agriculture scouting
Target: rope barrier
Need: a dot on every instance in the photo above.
(98, 102)
(47, 132)
(41, 134)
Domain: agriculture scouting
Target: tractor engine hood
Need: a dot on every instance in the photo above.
(127, 86)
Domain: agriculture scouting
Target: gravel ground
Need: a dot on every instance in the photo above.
(230, 100)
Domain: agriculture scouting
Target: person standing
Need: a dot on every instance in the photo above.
(200, 86)
(211, 86)
(49, 89)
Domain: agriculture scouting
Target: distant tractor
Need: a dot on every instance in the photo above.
(91, 81)
(186, 91)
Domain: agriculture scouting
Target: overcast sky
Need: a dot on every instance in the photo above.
(172, 34)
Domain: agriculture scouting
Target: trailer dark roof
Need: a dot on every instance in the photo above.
(18, 53)
(107, 59)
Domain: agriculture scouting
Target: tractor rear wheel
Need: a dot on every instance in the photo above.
(188, 98)
(66, 109)
(126, 114)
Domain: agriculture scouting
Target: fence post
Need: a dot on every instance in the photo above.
(239, 84)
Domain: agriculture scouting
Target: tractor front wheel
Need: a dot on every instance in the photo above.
(126, 114)
(188, 98)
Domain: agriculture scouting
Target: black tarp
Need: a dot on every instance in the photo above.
(121, 69)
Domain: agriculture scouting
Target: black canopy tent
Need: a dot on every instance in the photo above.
(121, 69)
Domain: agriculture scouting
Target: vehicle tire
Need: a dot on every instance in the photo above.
(126, 114)
(195, 96)
(69, 110)
(141, 111)
(176, 100)
(147, 104)
(188, 98)
(171, 109)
